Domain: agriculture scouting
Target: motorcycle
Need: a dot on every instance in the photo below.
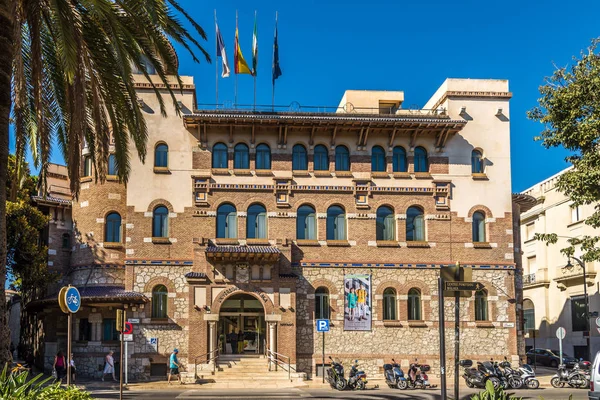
(394, 376)
(335, 375)
(357, 380)
(572, 377)
(417, 376)
(512, 377)
(528, 377)
(478, 377)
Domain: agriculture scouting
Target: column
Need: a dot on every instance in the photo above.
(212, 325)
(273, 339)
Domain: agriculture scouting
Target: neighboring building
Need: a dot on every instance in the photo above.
(261, 221)
(554, 295)
(13, 301)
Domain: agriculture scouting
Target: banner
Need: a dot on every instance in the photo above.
(357, 302)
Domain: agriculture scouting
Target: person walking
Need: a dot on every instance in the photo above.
(59, 366)
(233, 341)
(240, 342)
(72, 362)
(109, 366)
(174, 366)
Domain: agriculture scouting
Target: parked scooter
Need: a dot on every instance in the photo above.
(573, 377)
(417, 376)
(357, 380)
(394, 376)
(478, 377)
(512, 377)
(335, 375)
(528, 377)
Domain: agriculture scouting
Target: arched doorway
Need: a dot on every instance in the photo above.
(242, 313)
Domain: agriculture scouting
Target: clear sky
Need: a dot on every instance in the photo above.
(327, 47)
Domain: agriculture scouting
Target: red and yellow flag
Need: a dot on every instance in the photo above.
(241, 67)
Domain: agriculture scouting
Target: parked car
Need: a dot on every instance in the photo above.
(548, 357)
(594, 392)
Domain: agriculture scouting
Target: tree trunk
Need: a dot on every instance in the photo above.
(6, 60)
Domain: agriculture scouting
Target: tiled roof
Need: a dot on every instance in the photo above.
(243, 249)
(50, 199)
(97, 294)
(195, 275)
(288, 275)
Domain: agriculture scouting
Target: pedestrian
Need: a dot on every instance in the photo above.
(109, 366)
(240, 342)
(59, 365)
(234, 342)
(72, 362)
(362, 302)
(174, 366)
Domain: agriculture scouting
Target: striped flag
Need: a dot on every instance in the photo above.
(221, 53)
(276, 68)
(241, 66)
(254, 47)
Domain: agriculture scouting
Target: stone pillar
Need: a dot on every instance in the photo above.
(273, 339)
(212, 336)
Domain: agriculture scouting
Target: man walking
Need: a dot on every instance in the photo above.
(174, 366)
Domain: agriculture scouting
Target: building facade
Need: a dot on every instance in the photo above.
(266, 221)
(554, 295)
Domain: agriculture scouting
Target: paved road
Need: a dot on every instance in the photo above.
(309, 393)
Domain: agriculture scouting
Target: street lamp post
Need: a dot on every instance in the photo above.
(569, 266)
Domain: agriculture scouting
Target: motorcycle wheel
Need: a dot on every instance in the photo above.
(555, 382)
(469, 384)
(579, 378)
(515, 383)
(496, 382)
(341, 384)
(360, 385)
(402, 385)
(533, 384)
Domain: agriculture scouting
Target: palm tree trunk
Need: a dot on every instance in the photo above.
(6, 61)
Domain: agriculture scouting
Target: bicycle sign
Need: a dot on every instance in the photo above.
(72, 299)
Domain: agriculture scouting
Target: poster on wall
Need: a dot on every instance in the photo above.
(357, 302)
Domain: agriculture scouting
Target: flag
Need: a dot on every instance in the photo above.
(241, 67)
(276, 68)
(221, 53)
(254, 47)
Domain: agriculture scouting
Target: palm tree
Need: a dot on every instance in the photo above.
(66, 75)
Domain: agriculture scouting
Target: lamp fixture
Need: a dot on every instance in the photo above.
(499, 112)
(569, 265)
(463, 110)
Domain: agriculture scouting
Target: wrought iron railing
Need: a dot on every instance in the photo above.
(529, 279)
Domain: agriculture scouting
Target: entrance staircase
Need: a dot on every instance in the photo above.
(247, 371)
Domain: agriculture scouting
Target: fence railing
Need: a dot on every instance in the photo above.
(276, 359)
(206, 358)
(528, 279)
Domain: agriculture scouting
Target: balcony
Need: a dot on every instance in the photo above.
(536, 279)
(528, 279)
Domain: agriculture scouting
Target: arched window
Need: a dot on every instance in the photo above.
(336, 223)
(528, 315)
(263, 156)
(256, 222)
(159, 301)
(161, 155)
(399, 162)
(87, 166)
(421, 164)
(299, 158)
(389, 304)
(481, 306)
(415, 225)
(112, 228)
(342, 158)
(226, 221)
(476, 162)
(66, 241)
(160, 222)
(322, 303)
(378, 163)
(321, 161)
(241, 158)
(306, 223)
(219, 155)
(414, 305)
(478, 227)
(112, 165)
(385, 224)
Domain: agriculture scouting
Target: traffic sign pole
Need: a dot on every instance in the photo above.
(69, 329)
(442, 338)
(323, 365)
(561, 333)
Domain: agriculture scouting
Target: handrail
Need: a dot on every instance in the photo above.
(274, 358)
(209, 358)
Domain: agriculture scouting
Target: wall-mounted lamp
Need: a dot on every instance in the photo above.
(499, 112)
(463, 111)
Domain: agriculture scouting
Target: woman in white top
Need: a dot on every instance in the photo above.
(72, 362)
(109, 367)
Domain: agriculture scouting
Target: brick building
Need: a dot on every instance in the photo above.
(266, 221)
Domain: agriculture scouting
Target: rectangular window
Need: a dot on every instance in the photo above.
(578, 317)
(200, 296)
(109, 329)
(529, 231)
(321, 306)
(575, 214)
(532, 265)
(85, 329)
(529, 318)
(285, 297)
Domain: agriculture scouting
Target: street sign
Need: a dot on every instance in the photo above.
(128, 328)
(561, 333)
(598, 321)
(322, 325)
(133, 320)
(127, 337)
(72, 299)
(458, 285)
(154, 343)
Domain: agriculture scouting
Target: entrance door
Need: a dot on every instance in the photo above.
(242, 325)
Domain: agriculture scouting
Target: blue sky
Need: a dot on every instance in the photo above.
(327, 47)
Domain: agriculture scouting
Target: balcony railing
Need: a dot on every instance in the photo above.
(529, 279)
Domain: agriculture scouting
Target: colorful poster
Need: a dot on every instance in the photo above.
(357, 302)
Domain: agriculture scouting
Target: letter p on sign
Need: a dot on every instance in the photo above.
(322, 325)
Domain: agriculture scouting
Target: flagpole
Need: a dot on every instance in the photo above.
(235, 66)
(216, 64)
(253, 69)
(273, 93)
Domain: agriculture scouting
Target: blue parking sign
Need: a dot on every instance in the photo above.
(322, 325)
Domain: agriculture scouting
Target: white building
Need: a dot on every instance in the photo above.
(554, 295)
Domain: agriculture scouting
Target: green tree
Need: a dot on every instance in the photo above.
(569, 109)
(66, 72)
